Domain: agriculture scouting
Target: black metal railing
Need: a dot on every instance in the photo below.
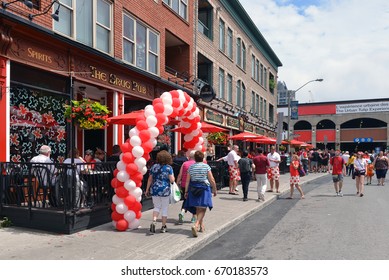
(55, 186)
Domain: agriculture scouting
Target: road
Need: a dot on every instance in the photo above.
(320, 227)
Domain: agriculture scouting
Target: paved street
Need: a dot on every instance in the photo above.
(321, 227)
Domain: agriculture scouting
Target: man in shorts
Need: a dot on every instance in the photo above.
(338, 171)
(274, 170)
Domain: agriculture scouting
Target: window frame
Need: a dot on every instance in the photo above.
(222, 41)
(181, 3)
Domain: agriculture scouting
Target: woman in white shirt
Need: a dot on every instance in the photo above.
(360, 166)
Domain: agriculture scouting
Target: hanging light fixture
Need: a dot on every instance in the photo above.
(54, 15)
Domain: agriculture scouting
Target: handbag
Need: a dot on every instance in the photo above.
(175, 194)
(301, 172)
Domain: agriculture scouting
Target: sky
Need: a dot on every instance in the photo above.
(344, 42)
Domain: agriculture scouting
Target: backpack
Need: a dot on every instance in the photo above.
(245, 165)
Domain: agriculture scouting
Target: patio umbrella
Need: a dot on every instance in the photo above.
(295, 142)
(205, 127)
(245, 136)
(267, 141)
(130, 118)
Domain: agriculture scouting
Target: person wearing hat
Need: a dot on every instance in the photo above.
(346, 157)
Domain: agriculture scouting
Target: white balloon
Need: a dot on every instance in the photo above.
(134, 224)
(166, 94)
(154, 132)
(188, 137)
(137, 151)
(129, 185)
(137, 193)
(121, 166)
(149, 112)
(140, 162)
(185, 124)
(167, 100)
(135, 141)
(129, 216)
(133, 131)
(198, 147)
(201, 140)
(168, 109)
(144, 170)
(195, 132)
(190, 106)
(122, 176)
(151, 121)
(153, 142)
(116, 200)
(121, 208)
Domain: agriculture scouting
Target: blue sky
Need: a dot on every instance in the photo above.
(345, 42)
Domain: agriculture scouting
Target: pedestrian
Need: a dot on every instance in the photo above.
(115, 156)
(246, 167)
(360, 172)
(315, 156)
(346, 156)
(294, 168)
(158, 186)
(262, 164)
(274, 171)
(381, 164)
(198, 192)
(233, 169)
(178, 161)
(369, 172)
(305, 161)
(181, 180)
(350, 164)
(338, 166)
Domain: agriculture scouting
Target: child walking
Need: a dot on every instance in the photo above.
(370, 172)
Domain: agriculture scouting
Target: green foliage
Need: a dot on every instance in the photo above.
(217, 138)
(5, 222)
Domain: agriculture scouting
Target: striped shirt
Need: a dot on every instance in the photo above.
(199, 172)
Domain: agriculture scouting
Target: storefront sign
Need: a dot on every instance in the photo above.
(37, 55)
(363, 140)
(116, 81)
(232, 122)
(248, 127)
(214, 117)
(370, 107)
(294, 110)
(259, 130)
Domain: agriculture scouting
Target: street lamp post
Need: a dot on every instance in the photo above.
(289, 130)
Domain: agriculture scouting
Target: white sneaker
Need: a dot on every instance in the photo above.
(340, 194)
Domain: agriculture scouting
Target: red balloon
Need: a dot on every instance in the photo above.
(138, 215)
(116, 216)
(136, 207)
(147, 147)
(196, 119)
(138, 184)
(144, 135)
(187, 97)
(126, 147)
(142, 125)
(128, 157)
(115, 172)
(176, 102)
(160, 128)
(129, 201)
(185, 105)
(193, 126)
(121, 192)
(175, 94)
(121, 225)
(131, 168)
(159, 108)
(113, 207)
(140, 118)
(194, 107)
(160, 118)
(115, 183)
(137, 176)
(174, 113)
(146, 156)
(156, 101)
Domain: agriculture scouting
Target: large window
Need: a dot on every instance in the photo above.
(261, 107)
(88, 22)
(140, 45)
(240, 53)
(221, 83)
(229, 88)
(179, 6)
(240, 94)
(222, 45)
(229, 43)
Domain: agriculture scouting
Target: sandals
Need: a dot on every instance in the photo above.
(194, 231)
(233, 193)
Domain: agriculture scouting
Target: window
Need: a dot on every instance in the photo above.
(261, 75)
(240, 94)
(205, 22)
(271, 113)
(256, 70)
(88, 22)
(253, 67)
(179, 6)
(257, 104)
(221, 83)
(261, 107)
(229, 43)
(240, 54)
(140, 45)
(264, 77)
(264, 110)
(253, 102)
(222, 44)
(229, 88)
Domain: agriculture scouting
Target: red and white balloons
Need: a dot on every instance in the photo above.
(126, 206)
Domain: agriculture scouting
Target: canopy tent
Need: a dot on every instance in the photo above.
(205, 127)
(266, 140)
(245, 136)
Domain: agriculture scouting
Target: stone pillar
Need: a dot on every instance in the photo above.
(337, 136)
(387, 136)
(313, 135)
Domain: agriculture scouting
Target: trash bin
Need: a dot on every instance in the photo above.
(218, 170)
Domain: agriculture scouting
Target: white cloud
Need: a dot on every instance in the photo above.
(345, 42)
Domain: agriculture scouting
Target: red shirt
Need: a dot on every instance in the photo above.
(294, 171)
(337, 163)
(261, 164)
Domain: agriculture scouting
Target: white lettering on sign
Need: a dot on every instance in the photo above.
(363, 107)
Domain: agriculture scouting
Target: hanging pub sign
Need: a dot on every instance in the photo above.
(294, 110)
(207, 94)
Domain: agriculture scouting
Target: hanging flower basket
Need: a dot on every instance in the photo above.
(87, 114)
(217, 138)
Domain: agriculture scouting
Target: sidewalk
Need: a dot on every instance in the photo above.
(103, 242)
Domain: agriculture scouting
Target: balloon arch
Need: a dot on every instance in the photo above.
(127, 181)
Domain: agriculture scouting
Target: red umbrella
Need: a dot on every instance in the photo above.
(205, 127)
(267, 140)
(245, 136)
(130, 118)
(296, 142)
